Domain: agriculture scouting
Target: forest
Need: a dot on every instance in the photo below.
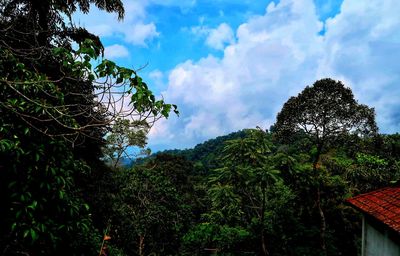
(69, 118)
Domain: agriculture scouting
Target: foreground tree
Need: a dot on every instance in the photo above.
(326, 112)
(55, 109)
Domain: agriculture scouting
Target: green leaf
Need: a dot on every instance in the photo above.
(18, 214)
(61, 194)
(34, 235)
(12, 184)
(13, 226)
(33, 205)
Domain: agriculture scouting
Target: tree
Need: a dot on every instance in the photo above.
(52, 87)
(370, 172)
(325, 111)
(125, 134)
(55, 109)
(240, 187)
(154, 208)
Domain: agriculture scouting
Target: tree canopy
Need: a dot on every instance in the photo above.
(325, 111)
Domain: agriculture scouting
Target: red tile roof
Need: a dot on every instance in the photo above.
(383, 204)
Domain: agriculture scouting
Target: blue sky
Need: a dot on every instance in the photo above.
(231, 64)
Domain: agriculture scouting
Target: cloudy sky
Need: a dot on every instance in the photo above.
(232, 64)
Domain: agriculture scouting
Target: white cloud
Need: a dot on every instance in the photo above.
(156, 75)
(215, 38)
(218, 37)
(134, 28)
(275, 56)
(140, 33)
(103, 30)
(116, 51)
(157, 80)
(198, 31)
(362, 45)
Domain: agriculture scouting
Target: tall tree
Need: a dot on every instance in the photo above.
(324, 111)
(248, 172)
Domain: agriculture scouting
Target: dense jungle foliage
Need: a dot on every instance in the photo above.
(55, 110)
(230, 195)
(64, 190)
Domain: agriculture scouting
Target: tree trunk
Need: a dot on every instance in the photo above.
(119, 155)
(263, 242)
(141, 245)
(322, 222)
(322, 231)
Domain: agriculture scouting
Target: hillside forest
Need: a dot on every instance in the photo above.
(69, 119)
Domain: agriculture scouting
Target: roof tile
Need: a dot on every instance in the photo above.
(383, 204)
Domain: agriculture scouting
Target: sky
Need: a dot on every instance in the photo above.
(232, 64)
